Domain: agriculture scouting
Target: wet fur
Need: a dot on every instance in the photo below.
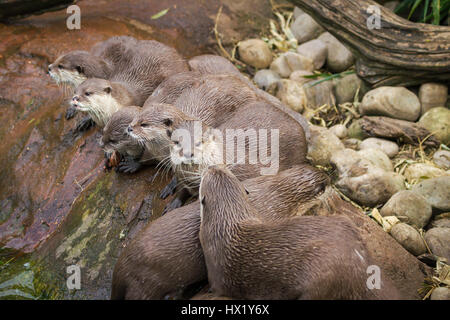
(248, 257)
(166, 256)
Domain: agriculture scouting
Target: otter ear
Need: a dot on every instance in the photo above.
(246, 191)
(107, 89)
(202, 200)
(79, 69)
(167, 122)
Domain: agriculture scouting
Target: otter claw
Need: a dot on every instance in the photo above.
(169, 189)
(85, 124)
(71, 112)
(128, 165)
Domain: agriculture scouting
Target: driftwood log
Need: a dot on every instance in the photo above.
(399, 53)
(16, 9)
(393, 129)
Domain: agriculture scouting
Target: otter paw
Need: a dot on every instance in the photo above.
(169, 189)
(176, 203)
(85, 124)
(128, 165)
(71, 112)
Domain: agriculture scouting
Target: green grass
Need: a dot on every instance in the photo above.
(426, 11)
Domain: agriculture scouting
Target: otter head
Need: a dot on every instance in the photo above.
(193, 147)
(115, 136)
(75, 67)
(222, 195)
(155, 124)
(100, 98)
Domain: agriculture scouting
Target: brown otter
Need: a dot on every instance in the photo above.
(76, 66)
(144, 66)
(166, 256)
(306, 257)
(193, 152)
(213, 64)
(71, 69)
(196, 95)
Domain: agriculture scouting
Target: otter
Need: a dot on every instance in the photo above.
(146, 65)
(189, 157)
(165, 258)
(305, 257)
(101, 62)
(116, 142)
(71, 69)
(213, 64)
(197, 95)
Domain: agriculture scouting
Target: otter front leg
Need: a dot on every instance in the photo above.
(169, 189)
(71, 112)
(85, 124)
(128, 165)
(178, 201)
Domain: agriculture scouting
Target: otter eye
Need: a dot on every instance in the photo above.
(145, 125)
(167, 122)
(60, 66)
(176, 142)
(202, 201)
(87, 94)
(79, 69)
(246, 191)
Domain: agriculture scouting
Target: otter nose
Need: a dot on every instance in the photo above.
(129, 129)
(76, 98)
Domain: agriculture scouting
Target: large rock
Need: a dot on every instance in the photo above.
(408, 207)
(299, 76)
(442, 159)
(393, 102)
(377, 157)
(339, 58)
(297, 61)
(441, 221)
(441, 293)
(438, 240)
(305, 28)
(323, 144)
(345, 88)
(256, 53)
(280, 66)
(339, 130)
(437, 121)
(319, 94)
(292, 94)
(409, 238)
(436, 191)
(57, 205)
(420, 171)
(316, 50)
(388, 147)
(432, 95)
(266, 79)
(362, 181)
